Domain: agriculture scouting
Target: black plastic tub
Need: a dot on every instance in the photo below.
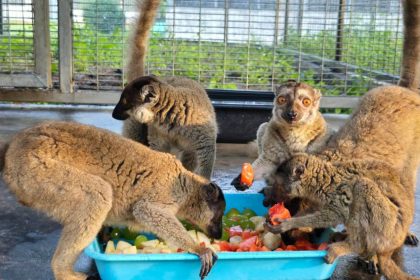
(240, 113)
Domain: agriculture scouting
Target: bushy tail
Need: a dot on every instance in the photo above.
(3, 149)
(391, 270)
(140, 37)
(410, 67)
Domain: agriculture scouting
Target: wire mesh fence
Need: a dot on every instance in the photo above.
(343, 47)
(16, 36)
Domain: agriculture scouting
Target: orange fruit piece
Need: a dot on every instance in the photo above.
(278, 211)
(247, 174)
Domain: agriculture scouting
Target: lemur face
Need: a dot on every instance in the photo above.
(295, 103)
(137, 100)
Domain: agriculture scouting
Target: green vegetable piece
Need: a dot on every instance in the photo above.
(232, 212)
(249, 213)
(116, 233)
(139, 240)
(247, 224)
(128, 234)
(225, 234)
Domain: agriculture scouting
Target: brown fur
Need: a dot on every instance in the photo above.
(293, 128)
(140, 37)
(166, 113)
(410, 68)
(368, 196)
(178, 114)
(85, 177)
(283, 135)
(385, 127)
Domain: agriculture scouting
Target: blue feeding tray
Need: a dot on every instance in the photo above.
(298, 265)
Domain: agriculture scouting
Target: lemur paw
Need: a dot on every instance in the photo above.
(370, 265)
(208, 258)
(280, 228)
(411, 239)
(330, 257)
(238, 185)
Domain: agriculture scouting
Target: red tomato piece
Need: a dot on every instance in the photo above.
(290, 248)
(225, 246)
(303, 244)
(248, 233)
(323, 246)
(248, 242)
(247, 174)
(278, 211)
(264, 249)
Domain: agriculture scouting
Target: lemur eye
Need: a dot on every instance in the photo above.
(281, 100)
(306, 102)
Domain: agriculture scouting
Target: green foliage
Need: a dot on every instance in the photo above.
(104, 15)
(215, 64)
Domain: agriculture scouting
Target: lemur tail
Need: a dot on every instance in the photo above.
(410, 66)
(3, 149)
(391, 270)
(140, 37)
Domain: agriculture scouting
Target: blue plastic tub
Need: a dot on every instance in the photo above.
(299, 265)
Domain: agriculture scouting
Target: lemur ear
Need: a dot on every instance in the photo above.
(212, 192)
(317, 94)
(142, 87)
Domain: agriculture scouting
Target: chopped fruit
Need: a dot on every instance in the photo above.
(290, 248)
(128, 234)
(278, 211)
(110, 247)
(249, 212)
(236, 230)
(303, 244)
(247, 175)
(151, 243)
(139, 241)
(323, 246)
(235, 240)
(130, 250)
(271, 240)
(246, 244)
(121, 245)
(258, 222)
(232, 212)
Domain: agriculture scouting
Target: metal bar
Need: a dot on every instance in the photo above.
(286, 21)
(221, 98)
(340, 26)
(21, 80)
(1, 17)
(42, 42)
(65, 46)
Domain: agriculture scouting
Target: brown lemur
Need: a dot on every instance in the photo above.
(166, 113)
(85, 177)
(296, 125)
(368, 196)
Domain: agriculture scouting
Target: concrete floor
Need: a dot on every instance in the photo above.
(28, 239)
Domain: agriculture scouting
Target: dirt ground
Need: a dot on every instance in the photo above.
(28, 239)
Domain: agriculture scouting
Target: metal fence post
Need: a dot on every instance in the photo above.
(65, 46)
(340, 33)
(42, 42)
(286, 21)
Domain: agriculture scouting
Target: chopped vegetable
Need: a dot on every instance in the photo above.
(247, 175)
(278, 211)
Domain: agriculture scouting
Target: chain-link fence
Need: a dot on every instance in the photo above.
(342, 46)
